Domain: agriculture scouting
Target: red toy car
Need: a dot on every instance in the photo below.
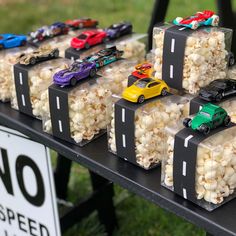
(82, 23)
(89, 38)
(199, 19)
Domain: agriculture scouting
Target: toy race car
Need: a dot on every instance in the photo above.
(58, 28)
(12, 40)
(77, 71)
(82, 23)
(209, 117)
(199, 19)
(218, 89)
(144, 89)
(105, 56)
(89, 38)
(143, 70)
(117, 30)
(41, 54)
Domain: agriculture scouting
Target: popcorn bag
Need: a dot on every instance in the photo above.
(78, 114)
(135, 132)
(190, 59)
(9, 57)
(201, 168)
(30, 83)
(134, 47)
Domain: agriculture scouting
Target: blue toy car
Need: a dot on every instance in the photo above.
(12, 40)
(105, 56)
(117, 30)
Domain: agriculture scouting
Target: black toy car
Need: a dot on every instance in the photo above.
(218, 89)
(117, 30)
(105, 56)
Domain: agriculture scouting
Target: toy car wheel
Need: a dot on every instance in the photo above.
(118, 55)
(141, 99)
(178, 19)
(73, 81)
(164, 92)
(56, 53)
(227, 120)
(231, 59)
(218, 97)
(215, 20)
(32, 60)
(204, 129)
(187, 122)
(194, 25)
(23, 43)
(92, 72)
(117, 34)
(87, 46)
(1, 46)
(104, 40)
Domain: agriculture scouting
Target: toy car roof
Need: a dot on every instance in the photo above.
(211, 108)
(90, 32)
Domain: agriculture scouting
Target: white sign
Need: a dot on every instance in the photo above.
(27, 194)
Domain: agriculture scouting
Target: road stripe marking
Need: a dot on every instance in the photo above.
(72, 58)
(172, 45)
(184, 168)
(124, 140)
(184, 193)
(123, 115)
(60, 126)
(182, 28)
(58, 103)
(20, 77)
(186, 140)
(171, 71)
(23, 99)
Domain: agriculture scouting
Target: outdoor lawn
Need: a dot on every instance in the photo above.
(135, 215)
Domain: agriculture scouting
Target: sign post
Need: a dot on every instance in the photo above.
(27, 194)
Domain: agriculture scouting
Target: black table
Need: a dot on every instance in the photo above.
(146, 184)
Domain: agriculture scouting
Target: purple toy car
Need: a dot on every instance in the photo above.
(117, 30)
(77, 71)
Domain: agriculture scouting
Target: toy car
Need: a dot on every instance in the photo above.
(209, 117)
(105, 56)
(89, 38)
(144, 89)
(143, 70)
(82, 23)
(117, 30)
(57, 28)
(218, 89)
(199, 19)
(12, 40)
(42, 54)
(77, 71)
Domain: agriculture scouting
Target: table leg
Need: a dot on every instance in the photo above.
(106, 209)
(62, 175)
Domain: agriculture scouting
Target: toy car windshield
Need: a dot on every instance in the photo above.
(141, 83)
(205, 114)
(82, 36)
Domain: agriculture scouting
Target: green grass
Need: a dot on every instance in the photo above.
(135, 215)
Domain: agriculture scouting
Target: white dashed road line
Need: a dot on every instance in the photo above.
(186, 140)
(58, 103)
(171, 71)
(184, 193)
(172, 45)
(60, 126)
(23, 99)
(124, 140)
(184, 168)
(123, 115)
(20, 77)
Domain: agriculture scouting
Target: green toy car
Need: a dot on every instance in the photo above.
(209, 117)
